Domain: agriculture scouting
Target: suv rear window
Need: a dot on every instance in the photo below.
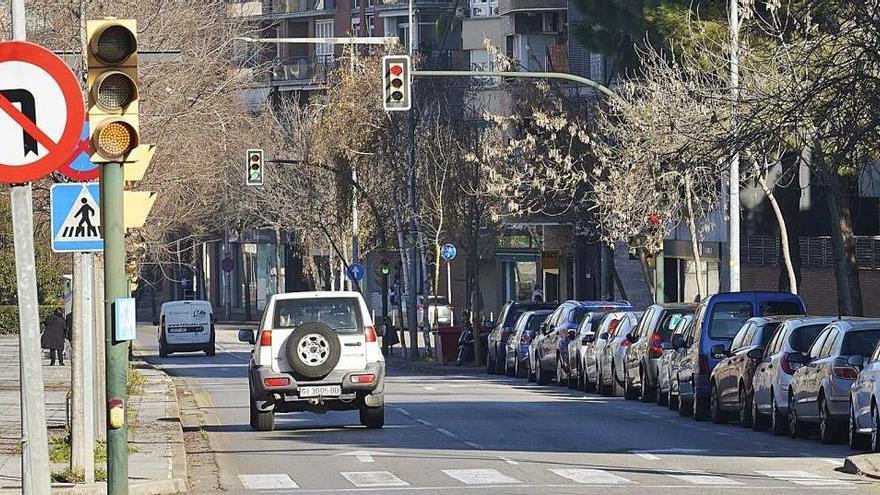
(668, 321)
(339, 313)
(535, 322)
(802, 338)
(859, 343)
(516, 310)
(728, 318)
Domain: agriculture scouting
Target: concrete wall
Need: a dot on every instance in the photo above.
(476, 29)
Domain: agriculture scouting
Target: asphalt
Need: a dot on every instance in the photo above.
(490, 435)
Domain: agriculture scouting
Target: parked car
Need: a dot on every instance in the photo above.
(186, 326)
(864, 409)
(516, 361)
(644, 352)
(439, 311)
(507, 317)
(578, 346)
(820, 389)
(595, 349)
(611, 360)
(731, 380)
(716, 322)
(316, 352)
(665, 367)
(551, 343)
(773, 375)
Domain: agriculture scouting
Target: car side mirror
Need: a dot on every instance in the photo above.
(757, 354)
(856, 361)
(677, 341)
(667, 346)
(718, 351)
(588, 339)
(604, 336)
(246, 335)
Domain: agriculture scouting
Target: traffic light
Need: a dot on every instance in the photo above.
(255, 168)
(113, 88)
(385, 268)
(397, 83)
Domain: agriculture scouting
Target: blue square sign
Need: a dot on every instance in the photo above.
(76, 218)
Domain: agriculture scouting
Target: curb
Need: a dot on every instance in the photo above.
(433, 367)
(863, 464)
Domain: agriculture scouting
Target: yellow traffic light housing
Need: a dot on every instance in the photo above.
(113, 88)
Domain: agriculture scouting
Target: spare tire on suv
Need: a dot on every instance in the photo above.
(313, 350)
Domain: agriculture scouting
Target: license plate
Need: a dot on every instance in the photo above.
(177, 330)
(322, 391)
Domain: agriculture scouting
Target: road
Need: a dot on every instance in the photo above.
(491, 435)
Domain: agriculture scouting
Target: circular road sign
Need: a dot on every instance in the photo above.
(41, 112)
(79, 166)
(448, 252)
(227, 264)
(356, 272)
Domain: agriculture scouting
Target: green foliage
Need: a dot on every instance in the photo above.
(9, 318)
(136, 381)
(59, 448)
(50, 268)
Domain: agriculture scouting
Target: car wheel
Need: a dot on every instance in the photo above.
(718, 416)
(701, 409)
(508, 369)
(745, 408)
(500, 361)
(796, 429)
(661, 397)
(671, 398)
(541, 378)
(600, 384)
(262, 420)
(629, 391)
(685, 408)
(519, 370)
(857, 441)
(373, 417)
(531, 373)
(829, 430)
(875, 432)
(560, 381)
(490, 363)
(760, 422)
(589, 386)
(573, 378)
(163, 350)
(616, 387)
(778, 422)
(211, 351)
(646, 393)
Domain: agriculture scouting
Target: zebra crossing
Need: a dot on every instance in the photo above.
(576, 476)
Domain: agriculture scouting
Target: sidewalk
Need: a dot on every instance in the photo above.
(398, 362)
(863, 464)
(157, 458)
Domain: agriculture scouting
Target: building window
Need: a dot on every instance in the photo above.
(324, 29)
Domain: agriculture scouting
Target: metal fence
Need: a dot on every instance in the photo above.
(816, 252)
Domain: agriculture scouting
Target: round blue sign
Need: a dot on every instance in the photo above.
(356, 272)
(448, 252)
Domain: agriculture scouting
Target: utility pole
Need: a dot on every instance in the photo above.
(82, 434)
(733, 241)
(34, 438)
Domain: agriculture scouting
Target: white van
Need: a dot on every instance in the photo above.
(186, 326)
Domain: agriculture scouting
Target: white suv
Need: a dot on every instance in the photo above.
(317, 352)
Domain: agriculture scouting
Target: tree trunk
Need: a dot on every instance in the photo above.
(789, 200)
(695, 241)
(279, 282)
(783, 231)
(646, 273)
(849, 291)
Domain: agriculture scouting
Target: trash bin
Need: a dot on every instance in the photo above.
(446, 344)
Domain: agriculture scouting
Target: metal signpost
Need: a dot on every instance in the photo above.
(448, 252)
(41, 115)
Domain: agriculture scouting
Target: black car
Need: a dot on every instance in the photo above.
(507, 317)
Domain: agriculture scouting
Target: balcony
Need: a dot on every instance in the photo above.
(509, 6)
(302, 72)
(294, 8)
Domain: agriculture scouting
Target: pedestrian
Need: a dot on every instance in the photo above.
(537, 293)
(53, 336)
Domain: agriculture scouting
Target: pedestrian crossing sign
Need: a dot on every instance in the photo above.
(76, 218)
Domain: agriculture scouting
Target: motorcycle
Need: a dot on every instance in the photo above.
(466, 345)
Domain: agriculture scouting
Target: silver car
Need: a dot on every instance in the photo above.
(864, 413)
(613, 360)
(596, 345)
(578, 347)
(516, 357)
(665, 364)
(820, 388)
(770, 385)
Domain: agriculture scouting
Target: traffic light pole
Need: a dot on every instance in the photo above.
(116, 352)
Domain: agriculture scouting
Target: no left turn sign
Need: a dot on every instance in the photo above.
(41, 112)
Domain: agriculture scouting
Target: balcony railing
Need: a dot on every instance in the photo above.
(302, 6)
(302, 70)
(815, 252)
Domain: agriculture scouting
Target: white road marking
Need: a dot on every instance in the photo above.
(509, 461)
(423, 422)
(834, 462)
(372, 479)
(480, 476)
(703, 478)
(590, 476)
(445, 432)
(430, 389)
(360, 455)
(645, 455)
(474, 445)
(266, 481)
(803, 478)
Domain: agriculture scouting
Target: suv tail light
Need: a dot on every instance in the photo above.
(845, 372)
(370, 334)
(363, 378)
(704, 364)
(656, 351)
(276, 382)
(266, 338)
(788, 366)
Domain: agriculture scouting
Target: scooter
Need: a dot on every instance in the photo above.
(465, 345)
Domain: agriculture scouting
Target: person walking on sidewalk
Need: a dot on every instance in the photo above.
(53, 337)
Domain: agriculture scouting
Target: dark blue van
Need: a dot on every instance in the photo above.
(716, 321)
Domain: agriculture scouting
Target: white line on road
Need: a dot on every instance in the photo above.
(424, 423)
(703, 478)
(590, 476)
(509, 461)
(370, 479)
(834, 462)
(445, 432)
(474, 445)
(430, 389)
(645, 455)
(403, 411)
(804, 478)
(266, 481)
(480, 476)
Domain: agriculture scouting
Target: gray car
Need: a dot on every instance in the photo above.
(772, 378)
(665, 364)
(596, 345)
(613, 374)
(516, 356)
(819, 389)
(578, 347)
(864, 413)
